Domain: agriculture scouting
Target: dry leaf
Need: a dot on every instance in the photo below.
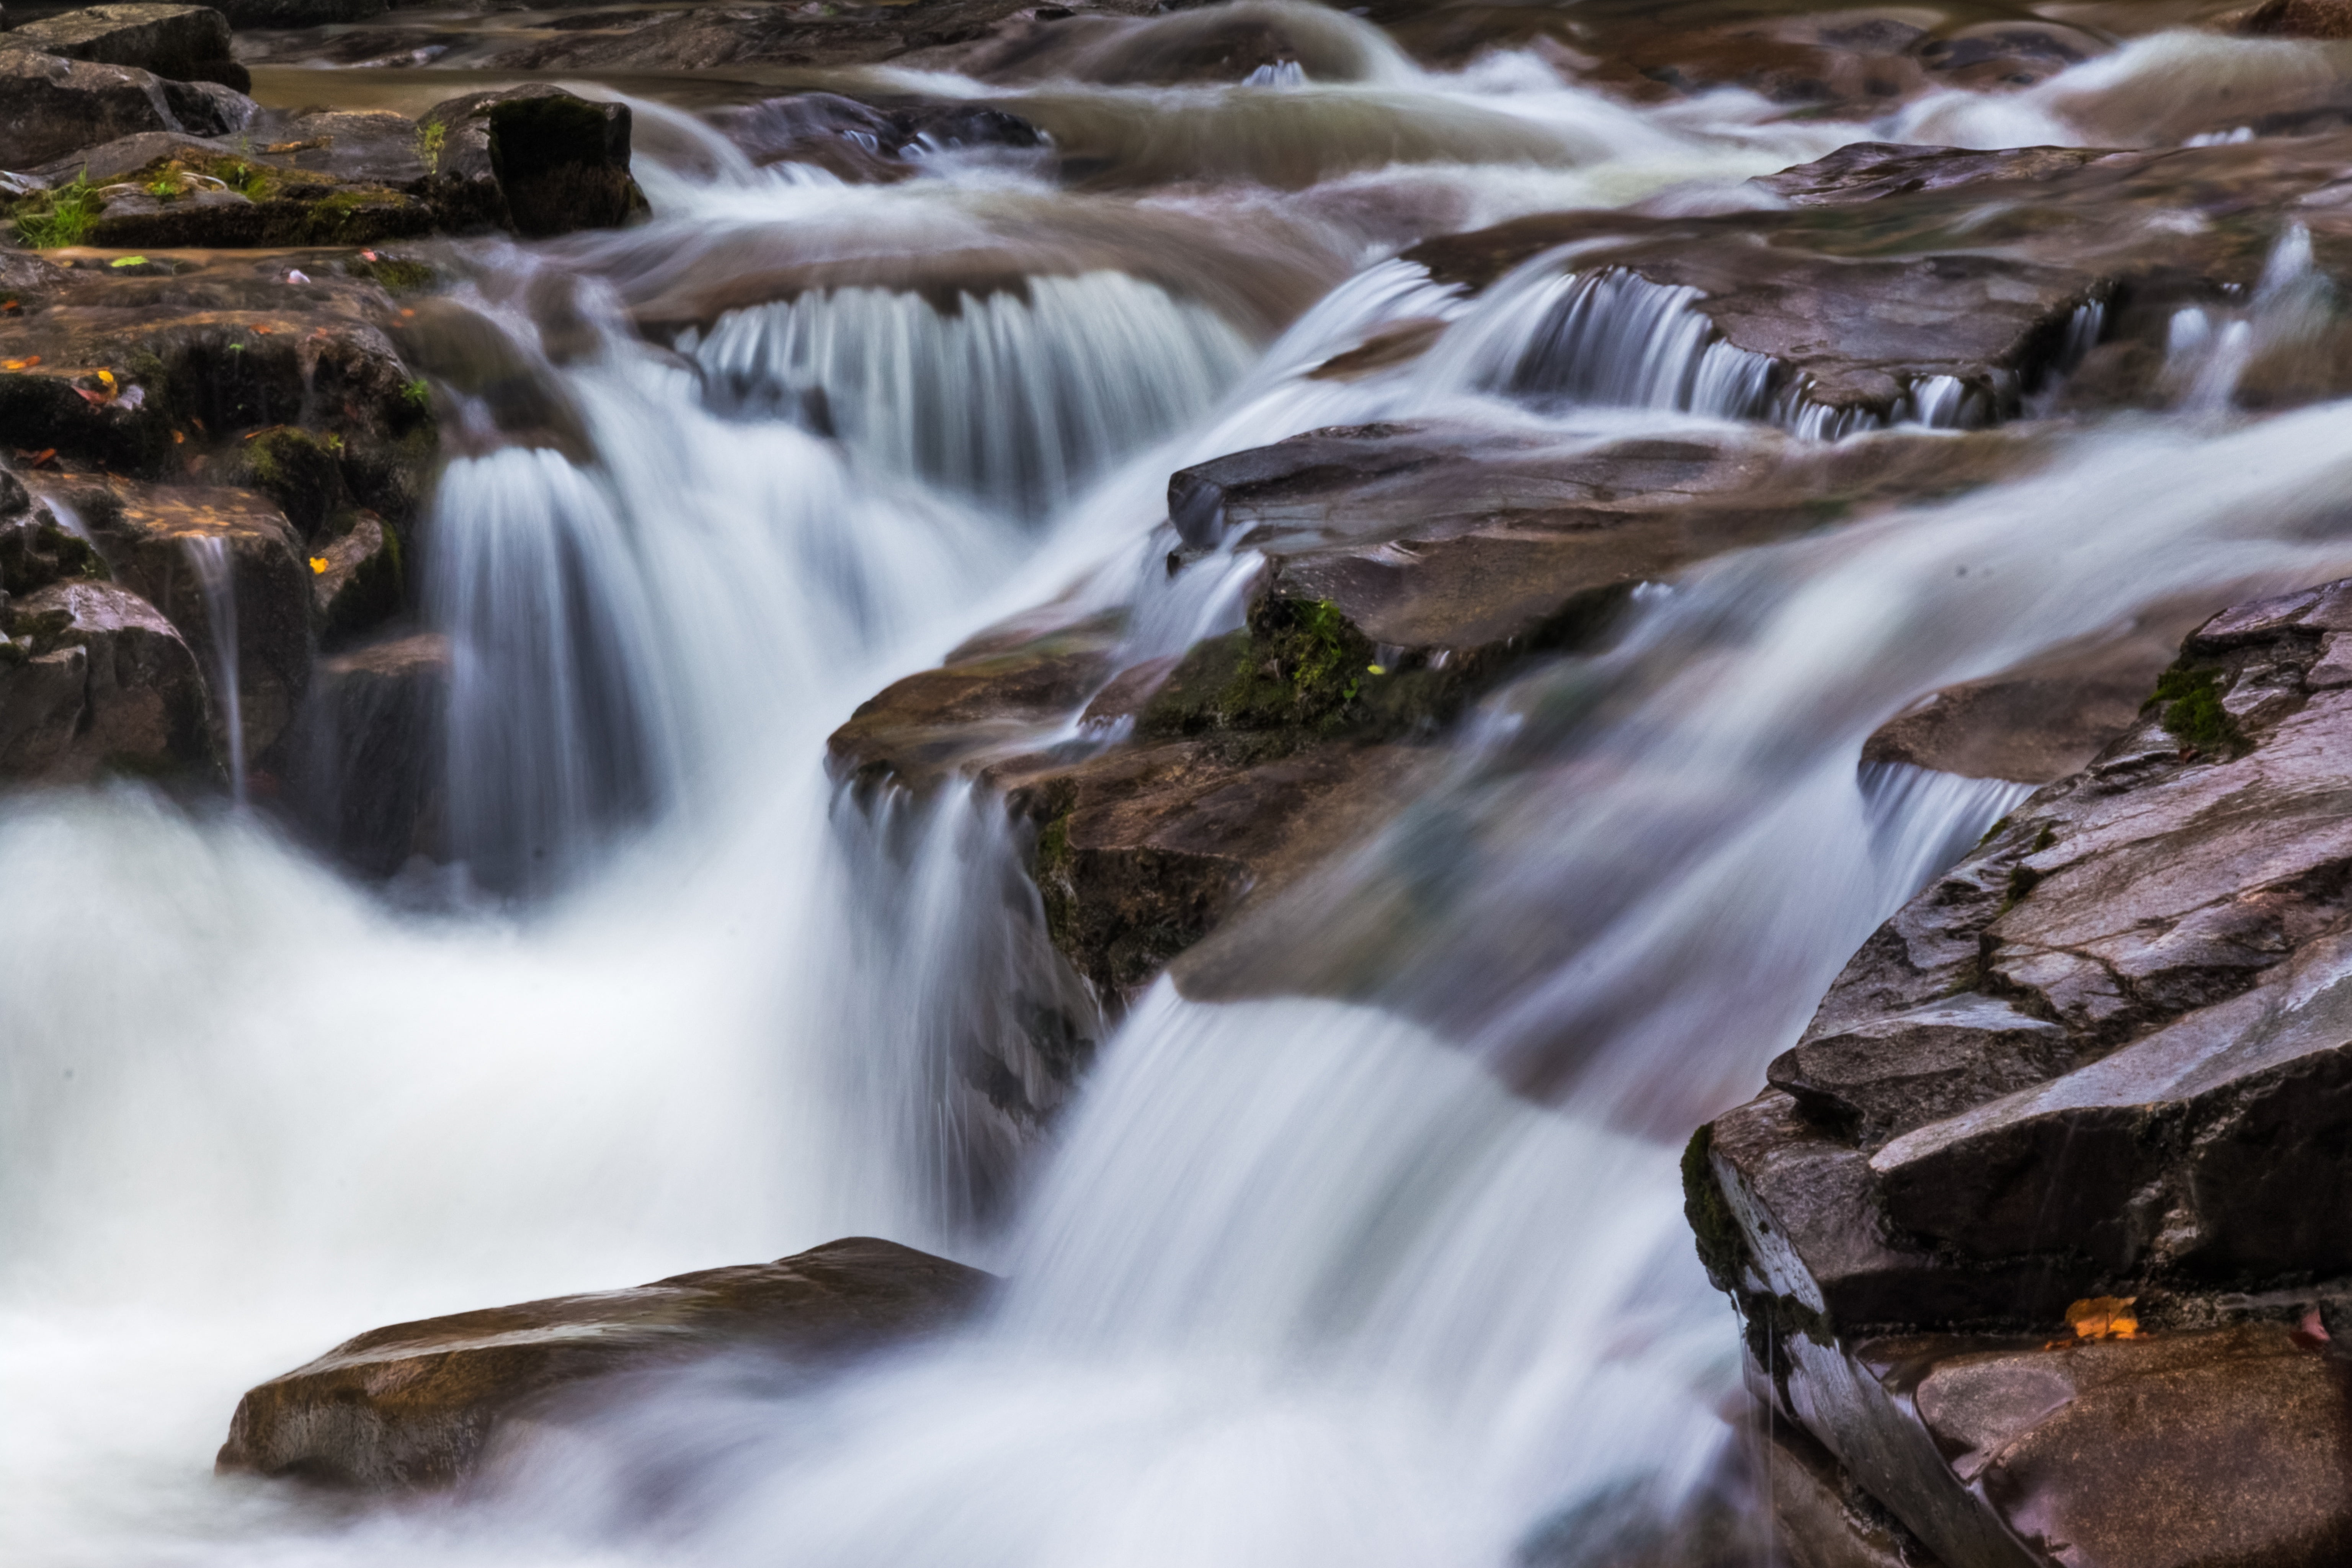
(318, 565)
(2103, 1317)
(26, 363)
(46, 457)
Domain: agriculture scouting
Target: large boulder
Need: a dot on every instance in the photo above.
(415, 1405)
(168, 542)
(185, 43)
(94, 680)
(2091, 1091)
(537, 160)
(50, 106)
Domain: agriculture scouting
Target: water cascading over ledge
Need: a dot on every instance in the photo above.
(1612, 338)
(1016, 396)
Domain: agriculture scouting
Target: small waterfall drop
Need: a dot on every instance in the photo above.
(557, 713)
(208, 559)
(1016, 396)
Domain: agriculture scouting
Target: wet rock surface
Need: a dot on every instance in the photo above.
(1406, 569)
(185, 43)
(415, 1405)
(2100, 1060)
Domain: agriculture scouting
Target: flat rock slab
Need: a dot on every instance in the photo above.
(412, 1406)
(2188, 1450)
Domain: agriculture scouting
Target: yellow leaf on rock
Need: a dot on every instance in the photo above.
(2103, 1317)
(319, 565)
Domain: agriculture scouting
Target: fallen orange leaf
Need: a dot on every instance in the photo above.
(179, 438)
(318, 565)
(41, 459)
(2103, 1317)
(265, 331)
(106, 379)
(26, 363)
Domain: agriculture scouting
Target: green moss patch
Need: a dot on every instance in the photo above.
(2191, 703)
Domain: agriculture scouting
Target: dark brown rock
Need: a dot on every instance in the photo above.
(2182, 1450)
(186, 43)
(2105, 1056)
(413, 1406)
(50, 106)
(537, 160)
(370, 783)
(94, 680)
(147, 533)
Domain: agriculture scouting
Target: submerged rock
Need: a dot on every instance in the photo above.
(415, 1405)
(2103, 1059)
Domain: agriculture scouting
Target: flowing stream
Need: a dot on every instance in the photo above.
(1300, 1279)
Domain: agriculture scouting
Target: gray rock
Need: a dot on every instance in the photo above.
(185, 43)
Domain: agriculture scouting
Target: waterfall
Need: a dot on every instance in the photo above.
(1016, 395)
(1378, 1262)
(555, 675)
(208, 558)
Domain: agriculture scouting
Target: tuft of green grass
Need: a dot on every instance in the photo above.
(418, 394)
(2193, 712)
(56, 218)
(429, 141)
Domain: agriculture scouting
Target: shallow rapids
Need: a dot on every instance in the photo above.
(1383, 1265)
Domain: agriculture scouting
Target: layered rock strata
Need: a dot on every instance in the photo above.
(2041, 1229)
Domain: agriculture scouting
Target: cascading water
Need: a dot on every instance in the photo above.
(208, 560)
(1017, 395)
(1384, 1265)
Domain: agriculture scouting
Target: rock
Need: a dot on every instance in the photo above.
(538, 160)
(1141, 852)
(2293, 19)
(2044, 718)
(243, 14)
(358, 579)
(1824, 1518)
(2180, 1450)
(2105, 1056)
(50, 106)
(371, 782)
(147, 533)
(225, 346)
(413, 1406)
(938, 32)
(864, 144)
(1407, 568)
(1938, 286)
(185, 43)
(93, 680)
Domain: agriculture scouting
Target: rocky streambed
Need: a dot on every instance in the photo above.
(1233, 660)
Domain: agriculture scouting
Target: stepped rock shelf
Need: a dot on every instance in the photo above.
(2099, 1072)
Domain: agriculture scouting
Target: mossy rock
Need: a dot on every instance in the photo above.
(300, 471)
